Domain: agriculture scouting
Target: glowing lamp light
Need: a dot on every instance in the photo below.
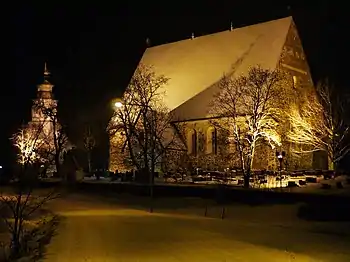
(118, 104)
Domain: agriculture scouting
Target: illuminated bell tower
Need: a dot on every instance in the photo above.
(44, 96)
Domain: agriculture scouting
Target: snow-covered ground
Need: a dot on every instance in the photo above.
(98, 229)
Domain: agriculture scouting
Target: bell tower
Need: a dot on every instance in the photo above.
(44, 96)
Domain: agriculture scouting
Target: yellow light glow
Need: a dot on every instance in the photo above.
(118, 104)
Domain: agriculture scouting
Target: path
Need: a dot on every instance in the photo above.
(97, 231)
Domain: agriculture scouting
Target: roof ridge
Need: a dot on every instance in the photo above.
(220, 32)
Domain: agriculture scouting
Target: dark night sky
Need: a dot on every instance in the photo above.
(92, 51)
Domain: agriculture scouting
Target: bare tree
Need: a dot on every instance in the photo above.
(138, 116)
(89, 145)
(55, 135)
(319, 125)
(249, 109)
(144, 121)
(19, 204)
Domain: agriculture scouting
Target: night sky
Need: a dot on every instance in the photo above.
(92, 51)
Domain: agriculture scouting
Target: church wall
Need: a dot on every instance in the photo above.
(226, 155)
(293, 60)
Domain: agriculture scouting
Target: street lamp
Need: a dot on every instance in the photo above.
(280, 156)
(118, 103)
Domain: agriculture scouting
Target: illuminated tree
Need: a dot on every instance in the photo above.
(319, 125)
(248, 107)
(29, 144)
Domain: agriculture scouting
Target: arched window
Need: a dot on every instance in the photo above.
(192, 142)
(212, 140)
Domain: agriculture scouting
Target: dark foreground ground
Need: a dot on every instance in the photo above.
(121, 229)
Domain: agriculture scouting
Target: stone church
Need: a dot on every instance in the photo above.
(194, 67)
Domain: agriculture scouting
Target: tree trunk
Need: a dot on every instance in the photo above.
(89, 162)
(131, 151)
(331, 164)
(15, 241)
(58, 165)
(252, 150)
(249, 165)
(151, 182)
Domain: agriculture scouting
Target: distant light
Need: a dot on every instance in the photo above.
(0, 167)
(118, 104)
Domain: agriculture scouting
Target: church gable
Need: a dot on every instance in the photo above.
(293, 60)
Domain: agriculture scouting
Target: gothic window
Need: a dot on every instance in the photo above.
(192, 142)
(212, 140)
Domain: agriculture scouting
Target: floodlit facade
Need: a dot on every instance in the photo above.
(46, 98)
(195, 66)
(41, 125)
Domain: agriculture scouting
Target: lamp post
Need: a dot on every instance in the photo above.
(280, 156)
(118, 104)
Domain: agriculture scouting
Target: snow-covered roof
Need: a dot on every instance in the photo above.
(194, 66)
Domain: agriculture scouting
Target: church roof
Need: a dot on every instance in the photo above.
(195, 66)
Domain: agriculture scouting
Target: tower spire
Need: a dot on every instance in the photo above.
(46, 71)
